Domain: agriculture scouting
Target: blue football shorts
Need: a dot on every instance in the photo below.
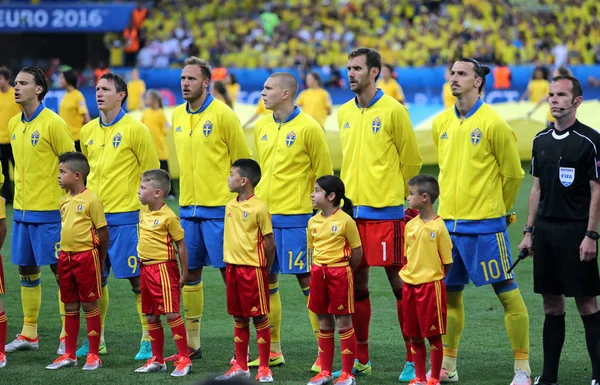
(204, 241)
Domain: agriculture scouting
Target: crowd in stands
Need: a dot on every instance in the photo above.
(318, 33)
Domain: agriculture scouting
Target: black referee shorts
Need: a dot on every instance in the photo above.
(556, 265)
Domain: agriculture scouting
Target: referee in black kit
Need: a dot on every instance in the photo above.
(564, 207)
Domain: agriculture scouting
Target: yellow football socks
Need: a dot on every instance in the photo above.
(61, 311)
(193, 303)
(454, 328)
(275, 317)
(103, 307)
(143, 321)
(516, 320)
(31, 300)
(314, 320)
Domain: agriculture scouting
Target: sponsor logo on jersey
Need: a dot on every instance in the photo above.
(444, 136)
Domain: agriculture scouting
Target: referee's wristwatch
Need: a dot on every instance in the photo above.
(528, 229)
(592, 234)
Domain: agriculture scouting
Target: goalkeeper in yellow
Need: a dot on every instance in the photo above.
(480, 174)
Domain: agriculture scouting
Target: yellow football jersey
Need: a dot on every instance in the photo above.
(37, 143)
(246, 224)
(158, 230)
(73, 109)
(118, 154)
(156, 121)
(8, 109)
(292, 155)
(207, 142)
(480, 167)
(447, 96)
(379, 149)
(135, 94)
(427, 248)
(332, 238)
(81, 215)
(316, 103)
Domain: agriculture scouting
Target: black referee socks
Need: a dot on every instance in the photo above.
(591, 324)
(554, 338)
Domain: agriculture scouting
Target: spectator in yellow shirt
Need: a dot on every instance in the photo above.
(135, 90)
(314, 100)
(155, 119)
(73, 108)
(233, 88)
(389, 85)
(8, 109)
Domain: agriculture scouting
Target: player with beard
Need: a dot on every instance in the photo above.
(208, 139)
(380, 155)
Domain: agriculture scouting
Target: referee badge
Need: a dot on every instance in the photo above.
(35, 138)
(566, 176)
(376, 125)
(476, 136)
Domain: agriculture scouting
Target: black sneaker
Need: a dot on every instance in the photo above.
(539, 381)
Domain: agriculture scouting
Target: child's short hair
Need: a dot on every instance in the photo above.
(159, 179)
(426, 184)
(76, 161)
(248, 168)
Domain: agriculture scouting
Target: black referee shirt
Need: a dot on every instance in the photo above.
(565, 162)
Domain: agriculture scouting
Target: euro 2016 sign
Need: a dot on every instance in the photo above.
(77, 18)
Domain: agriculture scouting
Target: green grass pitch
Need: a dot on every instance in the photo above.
(485, 357)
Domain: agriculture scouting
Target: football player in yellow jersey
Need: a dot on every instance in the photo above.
(389, 84)
(155, 119)
(291, 148)
(73, 108)
(379, 148)
(119, 148)
(3, 320)
(8, 109)
(478, 158)
(38, 138)
(208, 139)
(315, 100)
(135, 91)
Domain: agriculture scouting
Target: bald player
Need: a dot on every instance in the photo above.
(291, 148)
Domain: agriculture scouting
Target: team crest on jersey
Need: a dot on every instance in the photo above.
(376, 125)
(80, 208)
(155, 222)
(432, 235)
(35, 138)
(476, 136)
(178, 129)
(245, 215)
(334, 228)
(290, 139)
(566, 175)
(14, 137)
(207, 128)
(116, 142)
